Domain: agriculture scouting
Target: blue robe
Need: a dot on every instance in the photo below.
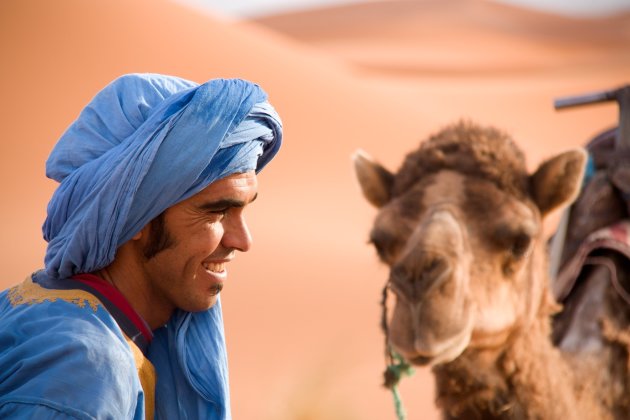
(63, 355)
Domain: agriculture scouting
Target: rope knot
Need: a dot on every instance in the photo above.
(396, 370)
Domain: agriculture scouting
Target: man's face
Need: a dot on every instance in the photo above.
(202, 234)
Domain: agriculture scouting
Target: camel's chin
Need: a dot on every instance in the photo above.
(489, 339)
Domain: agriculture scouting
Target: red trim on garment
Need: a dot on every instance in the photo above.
(117, 298)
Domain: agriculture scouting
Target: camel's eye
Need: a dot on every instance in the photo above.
(515, 241)
(517, 245)
(380, 250)
(384, 243)
(520, 245)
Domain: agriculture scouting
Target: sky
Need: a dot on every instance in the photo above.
(254, 8)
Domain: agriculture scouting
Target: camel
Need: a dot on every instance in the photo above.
(460, 226)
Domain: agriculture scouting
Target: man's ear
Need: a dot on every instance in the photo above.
(558, 180)
(375, 181)
(142, 233)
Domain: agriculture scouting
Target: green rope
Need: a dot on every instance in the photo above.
(396, 365)
(394, 372)
(400, 410)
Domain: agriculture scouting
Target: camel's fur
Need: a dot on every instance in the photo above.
(460, 225)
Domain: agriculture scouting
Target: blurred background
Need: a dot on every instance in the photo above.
(302, 307)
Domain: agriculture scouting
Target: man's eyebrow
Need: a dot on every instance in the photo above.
(224, 203)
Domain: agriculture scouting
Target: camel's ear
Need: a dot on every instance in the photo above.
(557, 181)
(376, 181)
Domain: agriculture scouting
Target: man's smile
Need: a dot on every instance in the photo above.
(214, 267)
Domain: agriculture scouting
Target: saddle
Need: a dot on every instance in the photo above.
(590, 251)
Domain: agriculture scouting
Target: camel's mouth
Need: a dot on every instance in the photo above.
(430, 352)
(421, 360)
(445, 356)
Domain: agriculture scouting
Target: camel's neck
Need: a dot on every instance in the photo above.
(526, 379)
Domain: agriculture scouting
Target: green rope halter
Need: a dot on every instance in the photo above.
(397, 367)
(394, 372)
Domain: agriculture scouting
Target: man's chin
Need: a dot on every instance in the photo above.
(213, 301)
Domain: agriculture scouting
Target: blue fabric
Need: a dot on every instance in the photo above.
(62, 360)
(143, 144)
(206, 372)
(589, 170)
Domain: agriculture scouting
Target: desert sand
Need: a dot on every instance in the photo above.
(301, 307)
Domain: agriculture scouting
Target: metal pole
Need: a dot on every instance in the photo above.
(590, 98)
(621, 96)
(623, 136)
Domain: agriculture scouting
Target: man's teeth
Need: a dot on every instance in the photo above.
(214, 267)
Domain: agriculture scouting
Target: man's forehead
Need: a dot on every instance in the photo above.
(239, 183)
(244, 179)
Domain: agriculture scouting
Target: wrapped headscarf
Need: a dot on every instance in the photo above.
(144, 143)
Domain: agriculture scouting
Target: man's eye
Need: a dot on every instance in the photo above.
(217, 214)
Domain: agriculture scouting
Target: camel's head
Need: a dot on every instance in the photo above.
(459, 226)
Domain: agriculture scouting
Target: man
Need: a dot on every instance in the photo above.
(154, 177)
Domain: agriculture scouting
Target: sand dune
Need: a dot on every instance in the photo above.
(302, 307)
(455, 37)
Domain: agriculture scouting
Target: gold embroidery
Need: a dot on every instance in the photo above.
(146, 373)
(29, 293)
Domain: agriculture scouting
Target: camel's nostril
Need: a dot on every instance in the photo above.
(399, 273)
(434, 268)
(434, 272)
(413, 278)
(399, 282)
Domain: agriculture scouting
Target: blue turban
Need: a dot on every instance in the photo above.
(144, 143)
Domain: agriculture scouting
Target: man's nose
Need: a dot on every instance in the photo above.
(236, 235)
